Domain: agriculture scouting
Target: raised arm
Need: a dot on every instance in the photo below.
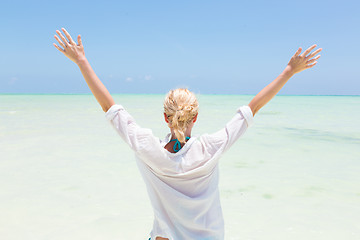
(296, 64)
(75, 52)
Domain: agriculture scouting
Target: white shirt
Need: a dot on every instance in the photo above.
(182, 186)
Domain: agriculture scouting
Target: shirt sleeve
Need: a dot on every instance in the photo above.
(125, 125)
(223, 139)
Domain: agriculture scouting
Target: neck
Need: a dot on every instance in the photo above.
(187, 133)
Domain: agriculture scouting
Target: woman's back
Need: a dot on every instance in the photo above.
(182, 186)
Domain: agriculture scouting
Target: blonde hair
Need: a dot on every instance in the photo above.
(180, 106)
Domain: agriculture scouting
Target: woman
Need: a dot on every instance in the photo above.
(181, 172)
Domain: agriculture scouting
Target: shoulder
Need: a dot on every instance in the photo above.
(212, 143)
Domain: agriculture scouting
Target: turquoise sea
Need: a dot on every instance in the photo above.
(66, 174)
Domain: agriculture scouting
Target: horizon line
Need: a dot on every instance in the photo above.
(165, 93)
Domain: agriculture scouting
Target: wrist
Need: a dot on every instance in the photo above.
(289, 70)
(81, 61)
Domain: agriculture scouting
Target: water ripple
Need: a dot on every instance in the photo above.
(322, 135)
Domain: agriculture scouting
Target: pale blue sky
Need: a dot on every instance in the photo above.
(221, 47)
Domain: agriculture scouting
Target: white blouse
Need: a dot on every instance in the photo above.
(182, 186)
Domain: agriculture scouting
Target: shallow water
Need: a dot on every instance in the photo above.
(66, 174)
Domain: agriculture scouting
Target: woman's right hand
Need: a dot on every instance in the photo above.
(301, 62)
(75, 52)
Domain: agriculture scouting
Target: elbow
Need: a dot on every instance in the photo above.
(106, 105)
(254, 109)
(106, 108)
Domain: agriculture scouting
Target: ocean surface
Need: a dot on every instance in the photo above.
(66, 174)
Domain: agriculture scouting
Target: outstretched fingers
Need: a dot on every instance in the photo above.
(311, 65)
(62, 38)
(307, 51)
(79, 40)
(68, 36)
(313, 60)
(314, 53)
(59, 41)
(298, 52)
(60, 49)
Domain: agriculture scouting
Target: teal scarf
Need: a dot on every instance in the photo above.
(177, 145)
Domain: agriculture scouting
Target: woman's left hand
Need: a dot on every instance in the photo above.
(304, 61)
(70, 49)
